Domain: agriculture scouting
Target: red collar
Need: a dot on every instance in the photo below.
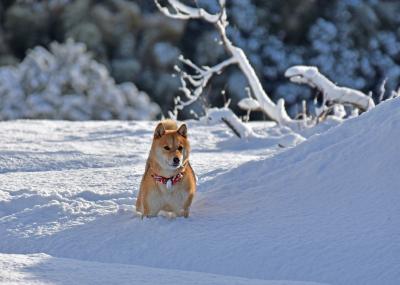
(168, 181)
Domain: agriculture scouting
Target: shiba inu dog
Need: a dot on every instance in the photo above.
(169, 182)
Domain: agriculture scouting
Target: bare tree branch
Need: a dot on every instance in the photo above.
(197, 81)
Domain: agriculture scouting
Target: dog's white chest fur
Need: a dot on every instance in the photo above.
(172, 199)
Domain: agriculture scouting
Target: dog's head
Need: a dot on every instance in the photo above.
(171, 147)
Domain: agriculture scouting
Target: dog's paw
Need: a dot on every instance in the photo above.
(184, 213)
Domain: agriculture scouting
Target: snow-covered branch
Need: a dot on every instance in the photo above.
(184, 12)
(276, 112)
(217, 115)
(342, 95)
(249, 104)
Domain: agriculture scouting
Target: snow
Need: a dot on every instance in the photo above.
(64, 82)
(325, 210)
(44, 269)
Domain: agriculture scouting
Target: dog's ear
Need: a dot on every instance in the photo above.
(160, 131)
(183, 130)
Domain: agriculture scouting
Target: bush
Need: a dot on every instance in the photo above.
(66, 83)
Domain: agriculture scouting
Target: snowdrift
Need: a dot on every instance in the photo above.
(325, 211)
(42, 268)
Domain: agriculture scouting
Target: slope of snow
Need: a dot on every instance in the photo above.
(44, 269)
(326, 210)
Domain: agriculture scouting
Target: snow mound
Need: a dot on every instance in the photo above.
(325, 211)
(44, 269)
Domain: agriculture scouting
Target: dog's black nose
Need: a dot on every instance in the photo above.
(176, 160)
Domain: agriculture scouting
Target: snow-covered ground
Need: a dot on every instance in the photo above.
(325, 211)
(42, 268)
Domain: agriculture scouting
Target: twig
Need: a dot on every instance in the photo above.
(231, 127)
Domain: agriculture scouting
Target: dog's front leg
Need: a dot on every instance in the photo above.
(186, 206)
(152, 204)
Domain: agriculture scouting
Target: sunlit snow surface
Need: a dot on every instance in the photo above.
(326, 210)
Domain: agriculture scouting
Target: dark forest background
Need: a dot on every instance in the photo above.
(354, 43)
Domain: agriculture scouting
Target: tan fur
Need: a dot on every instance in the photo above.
(154, 196)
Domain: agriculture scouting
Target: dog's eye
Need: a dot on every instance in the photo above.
(166, 147)
(180, 148)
